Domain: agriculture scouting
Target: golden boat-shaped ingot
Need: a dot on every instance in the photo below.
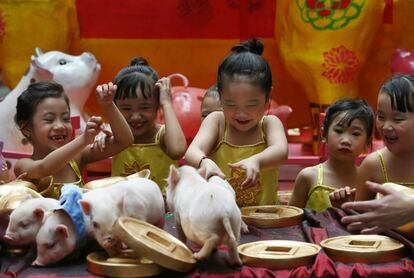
(5, 188)
(272, 216)
(363, 249)
(14, 197)
(112, 180)
(278, 254)
(408, 229)
(155, 244)
(126, 264)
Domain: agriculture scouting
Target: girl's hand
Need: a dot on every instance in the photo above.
(164, 85)
(93, 127)
(211, 169)
(252, 168)
(342, 195)
(105, 94)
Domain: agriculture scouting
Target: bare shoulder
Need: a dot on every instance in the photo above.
(308, 175)
(272, 122)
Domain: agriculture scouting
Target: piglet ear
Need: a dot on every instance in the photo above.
(62, 231)
(174, 176)
(41, 72)
(86, 207)
(39, 213)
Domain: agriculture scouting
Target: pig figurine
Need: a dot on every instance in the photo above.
(77, 75)
(139, 198)
(204, 212)
(64, 231)
(26, 219)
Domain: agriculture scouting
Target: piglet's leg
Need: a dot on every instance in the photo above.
(208, 247)
(234, 258)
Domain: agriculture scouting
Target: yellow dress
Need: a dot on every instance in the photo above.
(318, 197)
(58, 185)
(264, 192)
(144, 156)
(384, 172)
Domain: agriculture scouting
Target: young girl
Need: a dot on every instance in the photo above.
(43, 116)
(155, 146)
(210, 102)
(348, 130)
(395, 124)
(240, 143)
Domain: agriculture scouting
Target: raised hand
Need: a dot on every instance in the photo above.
(105, 94)
(164, 86)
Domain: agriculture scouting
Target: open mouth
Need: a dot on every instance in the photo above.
(390, 139)
(60, 139)
(243, 122)
(137, 125)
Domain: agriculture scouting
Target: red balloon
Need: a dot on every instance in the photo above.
(402, 61)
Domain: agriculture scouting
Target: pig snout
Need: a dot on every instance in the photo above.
(9, 237)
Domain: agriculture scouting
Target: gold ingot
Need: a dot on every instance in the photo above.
(112, 180)
(13, 198)
(126, 264)
(278, 254)
(155, 244)
(363, 249)
(271, 216)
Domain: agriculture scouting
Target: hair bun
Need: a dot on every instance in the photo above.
(254, 46)
(139, 61)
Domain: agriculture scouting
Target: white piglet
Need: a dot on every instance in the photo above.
(205, 213)
(26, 219)
(139, 198)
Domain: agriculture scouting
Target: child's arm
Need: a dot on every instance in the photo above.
(303, 184)
(122, 134)
(173, 138)
(203, 143)
(342, 195)
(272, 156)
(368, 171)
(59, 158)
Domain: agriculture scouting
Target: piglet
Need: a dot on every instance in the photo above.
(138, 198)
(26, 219)
(204, 212)
(64, 231)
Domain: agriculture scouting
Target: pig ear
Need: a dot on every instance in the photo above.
(174, 175)
(62, 230)
(86, 207)
(39, 213)
(38, 52)
(202, 172)
(41, 72)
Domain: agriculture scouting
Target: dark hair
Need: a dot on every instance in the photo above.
(28, 101)
(246, 61)
(212, 92)
(138, 73)
(354, 109)
(400, 88)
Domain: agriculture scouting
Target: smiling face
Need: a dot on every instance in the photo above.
(50, 127)
(346, 142)
(396, 128)
(243, 104)
(140, 113)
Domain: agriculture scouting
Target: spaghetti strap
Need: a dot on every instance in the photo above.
(382, 163)
(158, 135)
(76, 169)
(262, 131)
(320, 175)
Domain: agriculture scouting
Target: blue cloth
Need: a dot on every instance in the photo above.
(69, 202)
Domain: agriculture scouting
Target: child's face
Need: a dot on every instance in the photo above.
(140, 113)
(243, 104)
(346, 142)
(209, 104)
(51, 127)
(396, 128)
